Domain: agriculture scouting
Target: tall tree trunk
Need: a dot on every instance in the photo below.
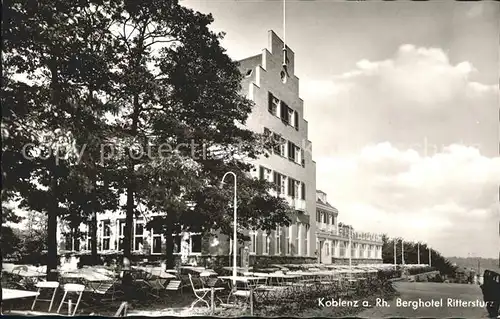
(129, 219)
(93, 238)
(169, 251)
(52, 261)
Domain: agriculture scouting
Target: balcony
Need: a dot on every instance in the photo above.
(298, 204)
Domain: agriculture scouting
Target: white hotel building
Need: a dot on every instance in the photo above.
(278, 111)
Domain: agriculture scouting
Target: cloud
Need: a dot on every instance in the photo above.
(416, 94)
(440, 198)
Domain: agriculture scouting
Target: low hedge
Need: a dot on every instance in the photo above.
(420, 270)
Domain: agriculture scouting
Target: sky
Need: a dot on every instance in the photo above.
(403, 109)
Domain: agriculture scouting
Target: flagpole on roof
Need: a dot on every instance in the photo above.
(284, 37)
(284, 24)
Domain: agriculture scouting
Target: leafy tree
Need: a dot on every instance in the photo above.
(55, 59)
(180, 94)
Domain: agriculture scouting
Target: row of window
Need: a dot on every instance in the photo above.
(365, 250)
(284, 148)
(323, 217)
(139, 238)
(284, 184)
(298, 245)
(280, 109)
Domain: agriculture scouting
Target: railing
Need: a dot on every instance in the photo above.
(300, 204)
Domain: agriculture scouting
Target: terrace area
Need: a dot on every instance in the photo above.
(187, 290)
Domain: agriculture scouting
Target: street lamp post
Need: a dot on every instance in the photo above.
(402, 252)
(430, 260)
(235, 239)
(418, 253)
(350, 251)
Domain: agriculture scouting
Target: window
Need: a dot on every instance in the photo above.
(279, 145)
(302, 158)
(195, 240)
(334, 247)
(300, 231)
(253, 242)
(327, 248)
(296, 120)
(266, 241)
(285, 113)
(289, 240)
(353, 250)
(106, 234)
(68, 242)
(138, 235)
(277, 181)
(291, 188)
(325, 218)
(89, 238)
(306, 239)
(343, 249)
(273, 104)
(265, 173)
(369, 251)
(282, 146)
(278, 240)
(297, 155)
(121, 232)
(157, 240)
(303, 193)
(268, 139)
(297, 240)
(283, 184)
(249, 72)
(296, 186)
(291, 151)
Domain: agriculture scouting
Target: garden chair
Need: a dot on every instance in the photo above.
(173, 285)
(46, 285)
(17, 270)
(122, 310)
(72, 288)
(200, 293)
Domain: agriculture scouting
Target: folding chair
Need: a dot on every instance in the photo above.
(200, 293)
(173, 285)
(46, 285)
(72, 288)
(122, 310)
(17, 270)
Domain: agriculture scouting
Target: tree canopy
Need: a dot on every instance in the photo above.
(125, 98)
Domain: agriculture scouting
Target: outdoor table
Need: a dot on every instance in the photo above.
(157, 272)
(11, 294)
(91, 279)
(245, 280)
(29, 273)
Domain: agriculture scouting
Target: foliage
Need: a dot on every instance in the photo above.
(438, 262)
(51, 52)
(128, 75)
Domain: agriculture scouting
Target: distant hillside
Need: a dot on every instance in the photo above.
(472, 263)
